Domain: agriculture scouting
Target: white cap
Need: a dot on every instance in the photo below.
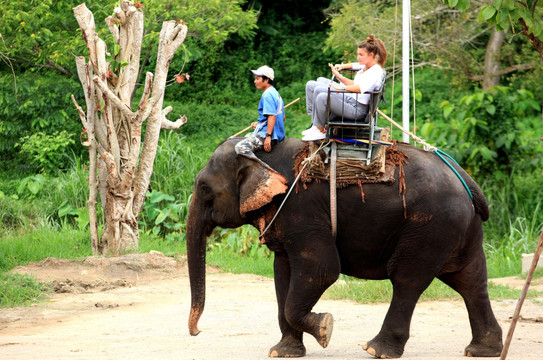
(264, 71)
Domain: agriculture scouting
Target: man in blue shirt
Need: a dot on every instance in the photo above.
(270, 128)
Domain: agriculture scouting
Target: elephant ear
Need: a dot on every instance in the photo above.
(259, 184)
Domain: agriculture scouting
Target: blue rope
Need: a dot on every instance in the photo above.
(438, 153)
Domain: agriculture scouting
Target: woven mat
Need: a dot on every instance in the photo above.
(380, 170)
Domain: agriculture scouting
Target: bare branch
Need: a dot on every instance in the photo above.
(507, 70)
(82, 116)
(145, 95)
(113, 28)
(85, 19)
(114, 99)
(170, 125)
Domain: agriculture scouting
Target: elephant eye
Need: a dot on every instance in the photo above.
(207, 193)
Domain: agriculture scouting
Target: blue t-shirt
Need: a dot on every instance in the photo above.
(271, 104)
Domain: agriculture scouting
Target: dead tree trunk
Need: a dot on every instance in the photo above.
(124, 165)
(492, 59)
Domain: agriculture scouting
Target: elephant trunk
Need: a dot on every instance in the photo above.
(196, 258)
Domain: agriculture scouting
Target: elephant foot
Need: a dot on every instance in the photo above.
(483, 350)
(287, 348)
(382, 349)
(323, 332)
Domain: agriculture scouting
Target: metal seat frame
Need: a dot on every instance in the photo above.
(341, 128)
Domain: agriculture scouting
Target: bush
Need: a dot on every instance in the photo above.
(49, 153)
(39, 103)
(487, 131)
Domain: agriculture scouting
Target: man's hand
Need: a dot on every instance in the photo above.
(253, 124)
(267, 144)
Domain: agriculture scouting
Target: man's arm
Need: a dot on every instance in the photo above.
(271, 124)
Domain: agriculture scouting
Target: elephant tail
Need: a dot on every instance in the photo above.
(479, 200)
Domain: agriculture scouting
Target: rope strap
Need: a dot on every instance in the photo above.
(439, 153)
(305, 162)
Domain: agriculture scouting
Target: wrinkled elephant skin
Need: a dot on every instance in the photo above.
(437, 233)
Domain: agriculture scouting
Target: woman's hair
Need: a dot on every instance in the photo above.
(375, 46)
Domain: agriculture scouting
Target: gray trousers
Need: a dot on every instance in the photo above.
(312, 89)
(341, 105)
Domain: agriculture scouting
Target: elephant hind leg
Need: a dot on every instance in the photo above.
(471, 284)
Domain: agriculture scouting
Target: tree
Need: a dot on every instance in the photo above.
(114, 130)
(446, 38)
(526, 16)
(38, 40)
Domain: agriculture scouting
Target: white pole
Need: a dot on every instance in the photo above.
(406, 15)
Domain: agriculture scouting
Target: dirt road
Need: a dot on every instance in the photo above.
(136, 307)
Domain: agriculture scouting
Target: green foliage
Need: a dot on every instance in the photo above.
(515, 220)
(162, 214)
(239, 251)
(242, 241)
(33, 104)
(42, 34)
(79, 215)
(506, 13)
(16, 215)
(483, 134)
(47, 152)
(525, 17)
(30, 186)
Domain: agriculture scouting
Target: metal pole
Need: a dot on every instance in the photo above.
(406, 14)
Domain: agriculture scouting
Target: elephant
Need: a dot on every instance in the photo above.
(434, 232)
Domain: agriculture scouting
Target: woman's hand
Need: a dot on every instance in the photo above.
(334, 70)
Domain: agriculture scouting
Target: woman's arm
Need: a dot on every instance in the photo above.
(345, 81)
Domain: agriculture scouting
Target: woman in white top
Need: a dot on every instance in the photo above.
(371, 56)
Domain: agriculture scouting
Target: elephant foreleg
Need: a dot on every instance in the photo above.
(291, 344)
(312, 271)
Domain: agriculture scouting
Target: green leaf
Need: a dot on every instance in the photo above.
(67, 210)
(491, 109)
(463, 5)
(162, 216)
(34, 187)
(159, 196)
(452, 3)
(447, 111)
(487, 12)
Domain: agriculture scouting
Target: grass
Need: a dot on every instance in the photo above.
(43, 242)
(17, 290)
(372, 291)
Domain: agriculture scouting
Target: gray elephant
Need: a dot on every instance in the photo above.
(436, 233)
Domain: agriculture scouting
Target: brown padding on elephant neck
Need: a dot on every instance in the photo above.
(260, 188)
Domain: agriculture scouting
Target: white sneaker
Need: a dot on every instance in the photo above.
(314, 134)
(308, 131)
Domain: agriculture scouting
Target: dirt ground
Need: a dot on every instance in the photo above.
(136, 307)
